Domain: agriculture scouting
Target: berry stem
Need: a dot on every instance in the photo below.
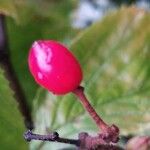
(54, 137)
(79, 92)
(110, 133)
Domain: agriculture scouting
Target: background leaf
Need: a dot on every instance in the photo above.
(114, 54)
(24, 10)
(11, 121)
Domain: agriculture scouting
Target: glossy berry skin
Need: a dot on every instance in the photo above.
(54, 67)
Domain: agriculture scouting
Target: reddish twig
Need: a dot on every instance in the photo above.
(54, 137)
(108, 133)
(84, 142)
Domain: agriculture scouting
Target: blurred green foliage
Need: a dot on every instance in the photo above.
(11, 122)
(114, 54)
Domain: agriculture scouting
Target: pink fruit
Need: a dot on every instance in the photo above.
(54, 67)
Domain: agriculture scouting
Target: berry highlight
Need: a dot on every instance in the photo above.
(54, 67)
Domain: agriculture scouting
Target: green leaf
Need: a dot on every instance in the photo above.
(117, 67)
(114, 54)
(11, 121)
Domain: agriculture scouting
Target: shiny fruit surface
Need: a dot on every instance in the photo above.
(54, 67)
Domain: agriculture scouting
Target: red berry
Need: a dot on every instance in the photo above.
(54, 67)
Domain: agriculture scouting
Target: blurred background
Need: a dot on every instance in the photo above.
(111, 40)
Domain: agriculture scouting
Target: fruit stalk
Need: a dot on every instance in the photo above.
(79, 92)
(109, 133)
